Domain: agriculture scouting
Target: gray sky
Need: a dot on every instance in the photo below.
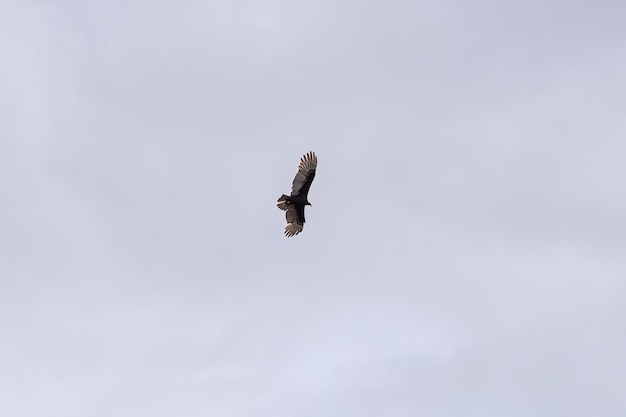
(464, 255)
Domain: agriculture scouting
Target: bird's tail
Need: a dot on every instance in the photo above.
(283, 202)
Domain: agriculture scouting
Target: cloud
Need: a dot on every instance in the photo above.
(463, 254)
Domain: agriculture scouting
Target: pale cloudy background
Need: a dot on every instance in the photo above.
(464, 255)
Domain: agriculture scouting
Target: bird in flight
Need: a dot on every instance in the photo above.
(294, 204)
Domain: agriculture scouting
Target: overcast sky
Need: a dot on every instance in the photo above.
(464, 255)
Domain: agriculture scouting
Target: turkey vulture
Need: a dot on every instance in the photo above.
(294, 204)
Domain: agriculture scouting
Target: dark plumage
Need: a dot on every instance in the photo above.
(295, 203)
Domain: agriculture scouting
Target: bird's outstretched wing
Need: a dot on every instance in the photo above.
(295, 221)
(304, 177)
(294, 214)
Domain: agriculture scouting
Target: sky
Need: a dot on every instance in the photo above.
(464, 254)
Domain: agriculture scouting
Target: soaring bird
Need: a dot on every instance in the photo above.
(294, 204)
